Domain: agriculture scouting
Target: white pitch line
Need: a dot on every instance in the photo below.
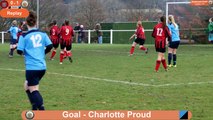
(116, 81)
(136, 53)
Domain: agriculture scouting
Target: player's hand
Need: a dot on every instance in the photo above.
(167, 43)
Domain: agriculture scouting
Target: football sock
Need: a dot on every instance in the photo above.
(53, 54)
(169, 58)
(34, 107)
(29, 97)
(61, 57)
(174, 59)
(164, 63)
(157, 65)
(143, 48)
(69, 54)
(11, 51)
(37, 99)
(132, 50)
(65, 53)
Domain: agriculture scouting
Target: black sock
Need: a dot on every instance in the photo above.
(174, 59)
(34, 107)
(37, 99)
(11, 51)
(169, 58)
(29, 97)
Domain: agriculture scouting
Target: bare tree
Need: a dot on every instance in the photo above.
(89, 12)
(50, 10)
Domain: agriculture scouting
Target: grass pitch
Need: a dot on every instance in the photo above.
(104, 77)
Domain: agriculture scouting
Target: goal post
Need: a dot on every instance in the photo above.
(192, 2)
(172, 3)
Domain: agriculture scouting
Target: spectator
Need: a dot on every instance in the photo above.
(77, 28)
(81, 34)
(210, 29)
(99, 33)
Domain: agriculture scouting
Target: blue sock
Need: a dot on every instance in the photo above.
(169, 58)
(174, 59)
(37, 99)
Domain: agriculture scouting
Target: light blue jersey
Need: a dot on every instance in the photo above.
(174, 32)
(14, 31)
(33, 45)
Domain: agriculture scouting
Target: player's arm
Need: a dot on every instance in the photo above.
(21, 44)
(48, 44)
(134, 35)
(20, 52)
(50, 31)
(154, 33)
(9, 31)
(168, 34)
(48, 48)
(19, 30)
(73, 33)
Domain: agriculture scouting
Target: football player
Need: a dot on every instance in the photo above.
(67, 34)
(54, 36)
(13, 39)
(140, 39)
(160, 33)
(34, 44)
(175, 41)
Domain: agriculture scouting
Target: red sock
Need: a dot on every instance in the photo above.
(65, 53)
(61, 57)
(143, 48)
(164, 63)
(157, 65)
(69, 54)
(132, 50)
(53, 54)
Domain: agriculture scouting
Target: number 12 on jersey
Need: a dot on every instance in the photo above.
(36, 39)
(159, 31)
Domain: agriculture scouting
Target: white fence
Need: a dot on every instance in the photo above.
(87, 31)
(184, 34)
(2, 36)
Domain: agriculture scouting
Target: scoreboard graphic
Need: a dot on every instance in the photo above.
(14, 8)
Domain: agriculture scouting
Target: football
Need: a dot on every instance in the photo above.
(24, 3)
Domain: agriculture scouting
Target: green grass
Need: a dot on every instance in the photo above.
(103, 64)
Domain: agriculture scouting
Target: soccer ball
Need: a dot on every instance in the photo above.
(24, 3)
(210, 2)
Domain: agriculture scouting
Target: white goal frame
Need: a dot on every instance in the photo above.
(172, 3)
